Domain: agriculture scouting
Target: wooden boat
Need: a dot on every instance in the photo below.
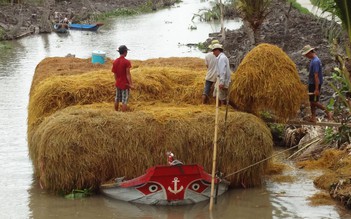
(90, 27)
(175, 184)
(60, 27)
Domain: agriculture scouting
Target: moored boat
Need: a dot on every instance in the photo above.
(166, 185)
(61, 27)
(90, 27)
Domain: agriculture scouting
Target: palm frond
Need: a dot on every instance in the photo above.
(254, 11)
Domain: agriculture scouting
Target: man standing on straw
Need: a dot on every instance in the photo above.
(211, 76)
(121, 69)
(223, 72)
(315, 81)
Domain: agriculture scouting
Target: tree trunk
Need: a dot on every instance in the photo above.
(222, 20)
(286, 24)
(45, 23)
(257, 36)
(154, 5)
(249, 32)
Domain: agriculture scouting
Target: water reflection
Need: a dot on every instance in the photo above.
(250, 204)
(290, 199)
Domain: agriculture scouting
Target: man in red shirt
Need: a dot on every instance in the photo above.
(121, 69)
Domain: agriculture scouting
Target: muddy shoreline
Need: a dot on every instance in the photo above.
(302, 29)
(20, 20)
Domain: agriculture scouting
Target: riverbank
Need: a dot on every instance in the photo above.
(290, 30)
(20, 20)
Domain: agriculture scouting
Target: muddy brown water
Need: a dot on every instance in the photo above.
(160, 34)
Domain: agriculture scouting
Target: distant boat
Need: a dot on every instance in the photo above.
(61, 27)
(90, 27)
(174, 184)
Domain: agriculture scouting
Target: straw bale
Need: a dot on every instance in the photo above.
(167, 84)
(55, 66)
(151, 84)
(267, 80)
(58, 92)
(82, 146)
(190, 63)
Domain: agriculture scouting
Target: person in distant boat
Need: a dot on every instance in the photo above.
(315, 81)
(211, 76)
(223, 73)
(123, 79)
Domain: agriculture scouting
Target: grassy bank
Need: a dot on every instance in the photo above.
(146, 8)
(297, 5)
(142, 9)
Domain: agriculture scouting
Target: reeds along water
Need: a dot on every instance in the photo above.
(76, 139)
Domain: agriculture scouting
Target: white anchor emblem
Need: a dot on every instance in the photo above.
(175, 190)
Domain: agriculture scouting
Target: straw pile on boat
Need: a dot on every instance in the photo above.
(82, 146)
(54, 91)
(267, 80)
(77, 140)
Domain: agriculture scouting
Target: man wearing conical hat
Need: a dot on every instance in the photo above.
(315, 81)
(211, 76)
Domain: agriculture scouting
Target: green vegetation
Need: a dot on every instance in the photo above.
(340, 104)
(146, 8)
(117, 13)
(254, 12)
(4, 46)
(78, 193)
(341, 81)
(342, 10)
(214, 13)
(277, 131)
(322, 4)
(341, 76)
(202, 47)
(299, 7)
(2, 33)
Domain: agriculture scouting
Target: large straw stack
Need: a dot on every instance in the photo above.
(82, 146)
(76, 139)
(57, 92)
(267, 80)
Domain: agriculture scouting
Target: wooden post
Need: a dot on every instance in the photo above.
(214, 148)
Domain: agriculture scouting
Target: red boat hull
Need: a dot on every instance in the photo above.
(166, 185)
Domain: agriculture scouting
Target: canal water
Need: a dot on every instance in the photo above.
(161, 34)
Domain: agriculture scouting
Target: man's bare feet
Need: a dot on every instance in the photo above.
(329, 115)
(311, 119)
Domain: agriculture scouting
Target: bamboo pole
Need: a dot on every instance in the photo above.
(329, 124)
(214, 147)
